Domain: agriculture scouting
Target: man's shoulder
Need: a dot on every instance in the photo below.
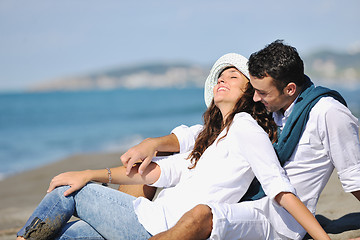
(329, 110)
(326, 104)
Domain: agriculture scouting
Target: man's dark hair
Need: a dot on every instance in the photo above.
(279, 61)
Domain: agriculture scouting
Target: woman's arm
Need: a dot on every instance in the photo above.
(299, 211)
(76, 180)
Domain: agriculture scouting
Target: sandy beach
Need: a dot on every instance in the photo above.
(338, 212)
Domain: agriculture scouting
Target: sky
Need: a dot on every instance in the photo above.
(42, 40)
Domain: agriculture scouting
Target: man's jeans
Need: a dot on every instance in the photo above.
(105, 213)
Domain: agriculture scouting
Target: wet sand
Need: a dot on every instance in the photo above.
(339, 212)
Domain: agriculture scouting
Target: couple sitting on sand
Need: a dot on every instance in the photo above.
(220, 163)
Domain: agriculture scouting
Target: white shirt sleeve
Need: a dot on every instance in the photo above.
(257, 149)
(339, 131)
(187, 136)
(173, 168)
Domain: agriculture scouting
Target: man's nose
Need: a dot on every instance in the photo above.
(256, 97)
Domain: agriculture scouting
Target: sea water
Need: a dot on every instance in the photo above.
(40, 128)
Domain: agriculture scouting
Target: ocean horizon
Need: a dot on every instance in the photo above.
(40, 128)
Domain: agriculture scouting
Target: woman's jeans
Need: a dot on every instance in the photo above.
(105, 213)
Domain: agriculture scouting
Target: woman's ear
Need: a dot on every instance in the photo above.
(290, 89)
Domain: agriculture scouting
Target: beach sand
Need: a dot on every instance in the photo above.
(339, 212)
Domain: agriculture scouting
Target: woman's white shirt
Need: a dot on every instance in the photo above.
(222, 175)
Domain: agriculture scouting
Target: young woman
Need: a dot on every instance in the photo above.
(236, 131)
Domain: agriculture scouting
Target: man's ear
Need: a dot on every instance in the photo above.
(290, 89)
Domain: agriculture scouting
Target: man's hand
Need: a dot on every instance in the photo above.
(143, 152)
(147, 149)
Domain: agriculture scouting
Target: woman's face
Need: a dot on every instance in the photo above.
(229, 89)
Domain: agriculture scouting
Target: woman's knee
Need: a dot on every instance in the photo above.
(57, 193)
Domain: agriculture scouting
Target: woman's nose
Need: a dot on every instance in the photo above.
(220, 80)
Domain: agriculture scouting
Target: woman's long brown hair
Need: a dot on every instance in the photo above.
(213, 122)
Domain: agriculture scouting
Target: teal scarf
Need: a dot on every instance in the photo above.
(294, 127)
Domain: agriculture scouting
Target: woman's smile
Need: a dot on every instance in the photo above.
(222, 88)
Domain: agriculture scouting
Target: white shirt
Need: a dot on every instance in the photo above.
(331, 138)
(222, 174)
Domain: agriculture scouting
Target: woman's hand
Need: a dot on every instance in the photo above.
(76, 180)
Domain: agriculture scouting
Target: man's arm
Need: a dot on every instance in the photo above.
(144, 152)
(182, 139)
(339, 126)
(147, 149)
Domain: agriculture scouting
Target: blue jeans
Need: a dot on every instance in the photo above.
(104, 213)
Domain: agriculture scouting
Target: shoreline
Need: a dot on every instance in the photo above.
(21, 193)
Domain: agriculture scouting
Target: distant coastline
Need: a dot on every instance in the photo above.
(327, 67)
(153, 76)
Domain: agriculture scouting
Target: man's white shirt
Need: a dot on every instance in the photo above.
(330, 139)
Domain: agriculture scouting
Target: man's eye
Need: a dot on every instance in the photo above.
(260, 93)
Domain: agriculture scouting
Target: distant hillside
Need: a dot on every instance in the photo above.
(159, 75)
(324, 66)
(333, 67)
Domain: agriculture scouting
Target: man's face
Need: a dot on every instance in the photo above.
(266, 92)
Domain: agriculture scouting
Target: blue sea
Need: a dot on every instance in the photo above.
(40, 128)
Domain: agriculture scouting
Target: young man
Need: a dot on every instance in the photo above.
(317, 133)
